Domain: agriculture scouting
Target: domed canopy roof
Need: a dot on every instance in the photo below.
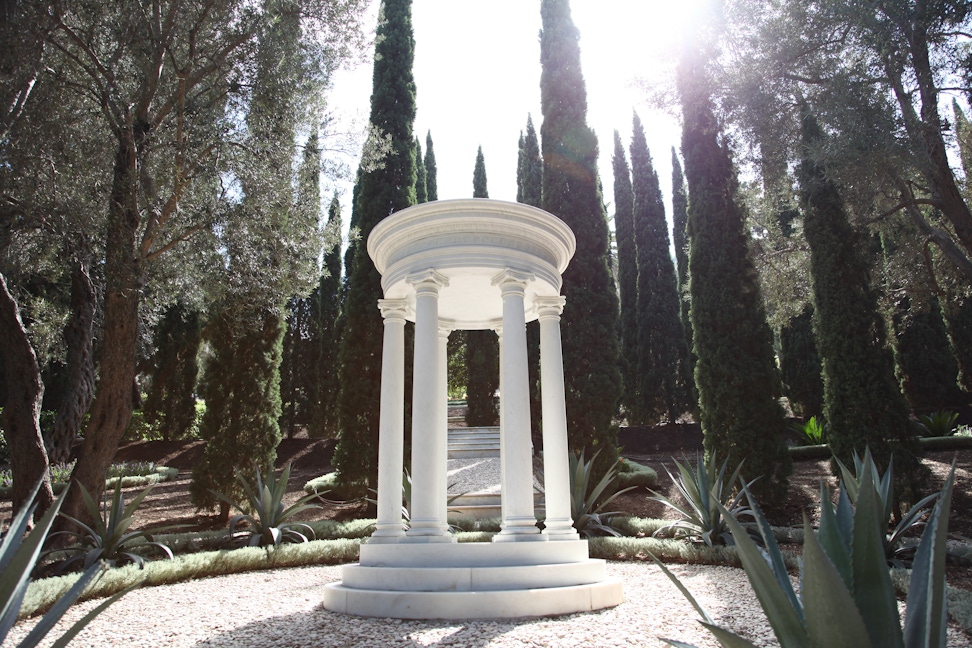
(470, 242)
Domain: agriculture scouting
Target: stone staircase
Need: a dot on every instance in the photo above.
(474, 443)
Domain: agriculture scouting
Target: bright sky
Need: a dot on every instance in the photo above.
(477, 72)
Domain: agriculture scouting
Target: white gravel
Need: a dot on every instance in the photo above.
(282, 609)
(478, 477)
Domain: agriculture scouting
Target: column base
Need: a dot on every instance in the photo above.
(560, 530)
(519, 530)
(385, 539)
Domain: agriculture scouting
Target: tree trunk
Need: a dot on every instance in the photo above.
(79, 335)
(21, 412)
(111, 411)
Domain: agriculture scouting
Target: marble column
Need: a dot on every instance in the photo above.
(391, 423)
(428, 457)
(556, 478)
(442, 424)
(519, 521)
(498, 329)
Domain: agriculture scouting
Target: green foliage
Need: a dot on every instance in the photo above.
(862, 401)
(19, 552)
(846, 594)
(108, 539)
(431, 172)
(479, 176)
(325, 315)
(330, 486)
(896, 550)
(813, 432)
(571, 192)
(926, 367)
(588, 500)
(529, 168)
(242, 394)
(938, 424)
(421, 185)
(631, 473)
(660, 392)
(708, 497)
(680, 240)
(4, 448)
(170, 405)
(624, 233)
(264, 513)
(736, 374)
(139, 473)
(800, 364)
(381, 191)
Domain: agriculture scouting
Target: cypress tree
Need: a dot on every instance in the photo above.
(421, 188)
(380, 192)
(326, 304)
(927, 369)
(482, 346)
(800, 364)
(589, 324)
(660, 337)
(624, 231)
(431, 179)
(529, 185)
(736, 374)
(680, 234)
(171, 402)
(957, 310)
(241, 423)
(862, 401)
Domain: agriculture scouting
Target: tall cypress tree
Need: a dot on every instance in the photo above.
(624, 231)
(800, 364)
(589, 323)
(380, 192)
(326, 305)
(171, 402)
(241, 423)
(431, 177)
(862, 401)
(661, 349)
(482, 346)
(926, 367)
(736, 372)
(421, 188)
(529, 185)
(680, 235)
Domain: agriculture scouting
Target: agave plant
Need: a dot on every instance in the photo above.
(938, 424)
(588, 501)
(708, 500)
(846, 594)
(109, 539)
(18, 555)
(897, 553)
(264, 513)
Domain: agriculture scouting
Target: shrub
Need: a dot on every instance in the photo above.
(269, 523)
(708, 500)
(330, 486)
(846, 593)
(588, 500)
(631, 473)
(813, 432)
(109, 539)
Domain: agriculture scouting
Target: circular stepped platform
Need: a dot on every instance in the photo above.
(473, 581)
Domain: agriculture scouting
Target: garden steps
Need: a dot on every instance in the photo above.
(474, 443)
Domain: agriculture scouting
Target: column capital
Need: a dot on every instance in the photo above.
(512, 281)
(547, 307)
(428, 281)
(393, 309)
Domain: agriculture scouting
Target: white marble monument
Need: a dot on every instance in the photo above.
(471, 264)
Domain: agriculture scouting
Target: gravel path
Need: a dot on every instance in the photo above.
(282, 609)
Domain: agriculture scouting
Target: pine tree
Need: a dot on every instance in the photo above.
(431, 179)
(326, 304)
(589, 323)
(736, 374)
(862, 401)
(380, 192)
(171, 402)
(482, 346)
(926, 367)
(421, 188)
(680, 235)
(660, 337)
(529, 185)
(800, 365)
(624, 231)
